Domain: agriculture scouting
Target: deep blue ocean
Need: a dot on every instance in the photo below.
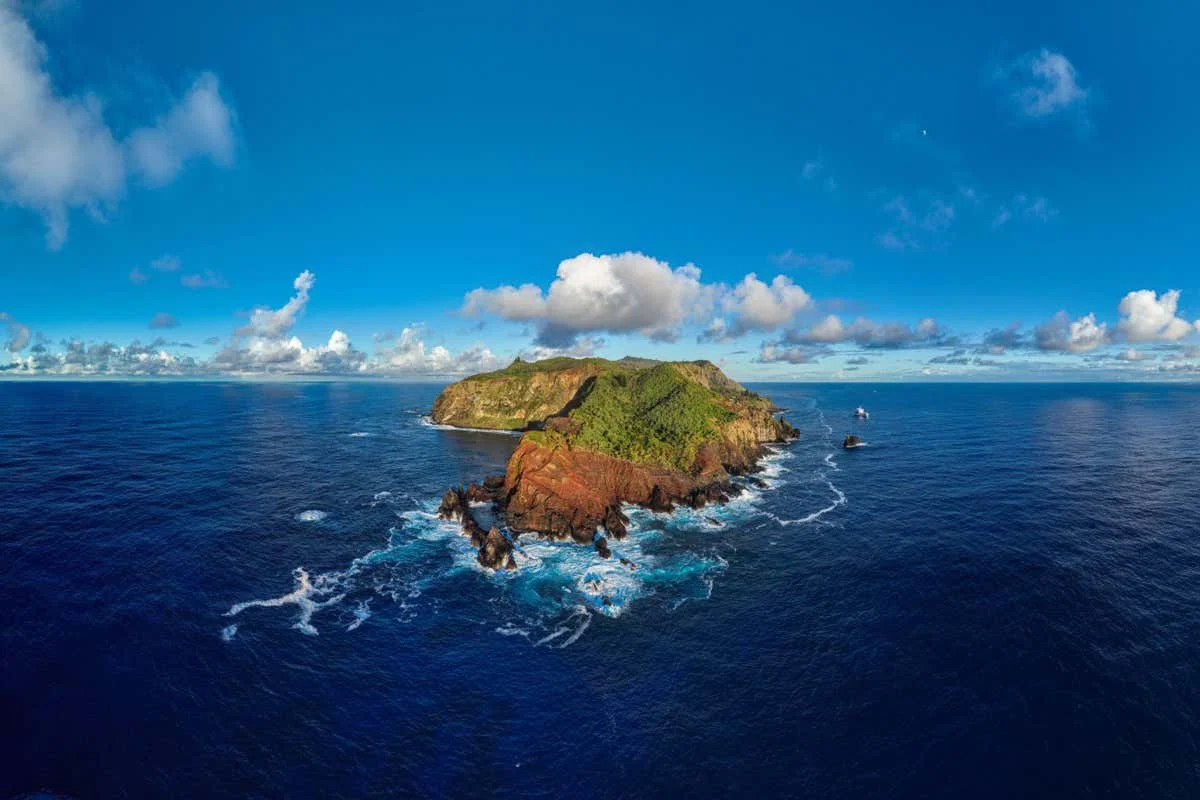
(224, 589)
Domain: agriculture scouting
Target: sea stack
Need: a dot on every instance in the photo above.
(496, 551)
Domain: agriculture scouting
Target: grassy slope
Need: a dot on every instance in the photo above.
(644, 411)
(652, 416)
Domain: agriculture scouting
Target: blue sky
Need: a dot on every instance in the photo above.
(974, 191)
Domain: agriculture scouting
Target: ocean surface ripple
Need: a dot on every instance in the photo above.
(241, 590)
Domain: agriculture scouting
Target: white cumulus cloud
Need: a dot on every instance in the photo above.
(1061, 334)
(755, 305)
(57, 153)
(408, 355)
(267, 323)
(632, 293)
(266, 345)
(337, 356)
(1146, 317)
(266, 342)
(621, 293)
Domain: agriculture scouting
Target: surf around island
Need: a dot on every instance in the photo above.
(600, 434)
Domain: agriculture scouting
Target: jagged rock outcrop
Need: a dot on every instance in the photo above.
(615, 521)
(456, 505)
(601, 434)
(495, 549)
(496, 552)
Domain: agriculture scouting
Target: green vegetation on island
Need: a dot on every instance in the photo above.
(648, 412)
(649, 416)
(600, 434)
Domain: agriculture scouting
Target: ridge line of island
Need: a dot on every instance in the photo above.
(599, 434)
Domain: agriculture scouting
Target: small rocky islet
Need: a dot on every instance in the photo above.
(599, 434)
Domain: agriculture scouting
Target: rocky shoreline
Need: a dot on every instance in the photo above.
(496, 549)
(559, 484)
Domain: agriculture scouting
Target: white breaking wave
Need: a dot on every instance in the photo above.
(425, 420)
(771, 466)
(312, 515)
(301, 596)
(840, 500)
(509, 629)
(361, 614)
(581, 618)
(583, 626)
(228, 632)
(839, 496)
(559, 586)
(386, 498)
(562, 583)
(360, 434)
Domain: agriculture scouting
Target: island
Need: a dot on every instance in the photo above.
(599, 434)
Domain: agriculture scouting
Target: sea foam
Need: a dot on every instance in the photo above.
(559, 586)
(831, 466)
(428, 422)
(361, 614)
(303, 596)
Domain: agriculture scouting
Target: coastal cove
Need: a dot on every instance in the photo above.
(957, 609)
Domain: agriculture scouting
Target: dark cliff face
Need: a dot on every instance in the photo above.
(646, 433)
(496, 552)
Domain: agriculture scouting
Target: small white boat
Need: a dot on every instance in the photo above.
(861, 413)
